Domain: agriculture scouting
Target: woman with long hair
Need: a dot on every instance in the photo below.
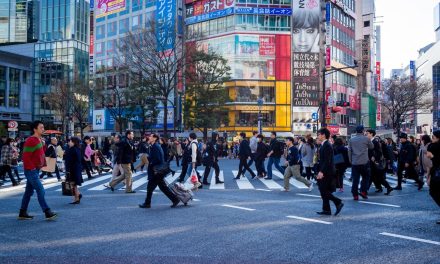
(307, 155)
(74, 168)
(305, 29)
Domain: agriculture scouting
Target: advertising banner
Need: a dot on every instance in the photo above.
(305, 48)
(165, 24)
(170, 117)
(108, 7)
(98, 119)
(263, 11)
(267, 45)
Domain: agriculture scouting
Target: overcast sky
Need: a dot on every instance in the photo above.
(407, 26)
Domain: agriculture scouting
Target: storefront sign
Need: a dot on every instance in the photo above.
(305, 79)
(263, 11)
(209, 16)
(207, 6)
(378, 73)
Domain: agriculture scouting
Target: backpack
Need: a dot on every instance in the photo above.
(199, 155)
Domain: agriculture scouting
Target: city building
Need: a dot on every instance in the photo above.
(110, 26)
(342, 85)
(18, 21)
(254, 36)
(61, 53)
(369, 74)
(16, 65)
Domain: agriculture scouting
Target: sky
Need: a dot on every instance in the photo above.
(407, 26)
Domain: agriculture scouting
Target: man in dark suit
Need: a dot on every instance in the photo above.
(244, 153)
(156, 158)
(327, 175)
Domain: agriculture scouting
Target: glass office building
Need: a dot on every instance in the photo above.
(18, 21)
(62, 52)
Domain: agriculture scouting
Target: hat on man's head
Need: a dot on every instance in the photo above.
(360, 129)
(403, 135)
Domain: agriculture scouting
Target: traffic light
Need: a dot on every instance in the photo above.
(342, 103)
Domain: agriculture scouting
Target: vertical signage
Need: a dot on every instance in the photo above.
(328, 36)
(165, 24)
(305, 47)
(378, 73)
(92, 38)
(412, 71)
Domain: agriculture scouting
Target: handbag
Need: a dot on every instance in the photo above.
(66, 188)
(338, 159)
(161, 170)
(50, 165)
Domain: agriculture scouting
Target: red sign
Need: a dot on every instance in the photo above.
(378, 114)
(197, 8)
(334, 130)
(378, 76)
(328, 60)
(267, 45)
(12, 124)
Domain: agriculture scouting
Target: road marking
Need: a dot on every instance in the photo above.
(220, 186)
(309, 220)
(139, 183)
(309, 195)
(292, 180)
(383, 204)
(263, 190)
(238, 207)
(243, 182)
(271, 184)
(411, 238)
(196, 200)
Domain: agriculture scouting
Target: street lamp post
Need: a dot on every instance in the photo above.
(260, 118)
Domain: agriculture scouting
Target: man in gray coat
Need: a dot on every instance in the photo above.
(358, 147)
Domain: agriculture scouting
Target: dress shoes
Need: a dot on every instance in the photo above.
(144, 205)
(389, 191)
(219, 182)
(174, 205)
(398, 188)
(339, 208)
(324, 213)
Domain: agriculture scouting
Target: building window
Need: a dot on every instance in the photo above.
(123, 26)
(99, 49)
(2, 86)
(100, 32)
(367, 23)
(136, 5)
(250, 118)
(14, 87)
(111, 46)
(111, 29)
(136, 22)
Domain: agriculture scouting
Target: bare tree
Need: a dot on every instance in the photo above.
(80, 106)
(152, 61)
(117, 102)
(206, 94)
(57, 100)
(402, 98)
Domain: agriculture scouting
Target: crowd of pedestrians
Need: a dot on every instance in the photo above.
(323, 161)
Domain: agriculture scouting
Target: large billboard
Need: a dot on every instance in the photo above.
(108, 7)
(305, 48)
(165, 24)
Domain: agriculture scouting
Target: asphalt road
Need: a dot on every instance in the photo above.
(230, 224)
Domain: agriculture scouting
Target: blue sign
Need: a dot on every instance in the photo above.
(92, 4)
(165, 24)
(412, 70)
(315, 116)
(327, 12)
(209, 16)
(263, 11)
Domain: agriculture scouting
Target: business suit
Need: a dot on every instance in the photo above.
(327, 183)
(156, 159)
(244, 153)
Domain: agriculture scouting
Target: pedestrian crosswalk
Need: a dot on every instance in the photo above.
(140, 181)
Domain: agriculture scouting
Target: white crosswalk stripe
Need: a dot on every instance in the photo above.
(243, 182)
(140, 180)
(292, 180)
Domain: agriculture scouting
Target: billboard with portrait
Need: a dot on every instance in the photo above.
(305, 48)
